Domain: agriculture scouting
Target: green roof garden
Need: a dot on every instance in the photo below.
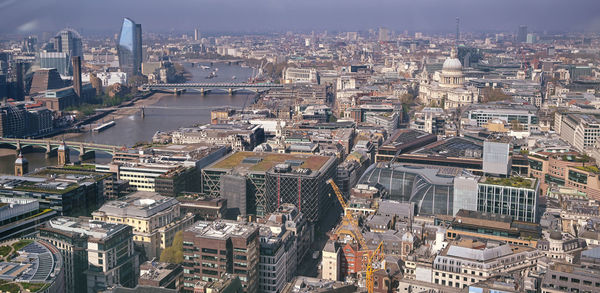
(514, 181)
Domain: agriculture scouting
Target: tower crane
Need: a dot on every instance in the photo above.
(373, 258)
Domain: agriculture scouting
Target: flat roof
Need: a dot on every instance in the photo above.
(138, 204)
(222, 229)
(262, 162)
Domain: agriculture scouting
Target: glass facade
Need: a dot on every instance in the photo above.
(130, 47)
(431, 192)
(520, 203)
(58, 60)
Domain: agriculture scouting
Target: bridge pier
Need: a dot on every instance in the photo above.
(202, 92)
(230, 90)
(51, 153)
(87, 156)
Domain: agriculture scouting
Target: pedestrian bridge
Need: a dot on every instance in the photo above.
(204, 88)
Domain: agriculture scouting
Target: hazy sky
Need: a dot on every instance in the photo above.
(280, 15)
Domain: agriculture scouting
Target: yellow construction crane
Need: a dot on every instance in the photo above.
(376, 256)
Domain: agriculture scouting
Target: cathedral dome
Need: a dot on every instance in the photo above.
(452, 64)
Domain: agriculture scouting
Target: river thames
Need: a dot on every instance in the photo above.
(187, 109)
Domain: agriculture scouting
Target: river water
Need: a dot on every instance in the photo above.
(185, 110)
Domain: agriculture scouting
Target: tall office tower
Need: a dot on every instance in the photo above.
(384, 34)
(76, 61)
(66, 44)
(457, 29)
(70, 43)
(130, 47)
(522, 34)
(196, 34)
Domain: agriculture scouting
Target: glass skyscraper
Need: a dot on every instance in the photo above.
(130, 47)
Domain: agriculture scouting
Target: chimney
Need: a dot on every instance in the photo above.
(77, 75)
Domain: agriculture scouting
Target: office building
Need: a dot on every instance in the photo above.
(130, 47)
(522, 34)
(495, 227)
(240, 137)
(301, 75)
(168, 170)
(383, 35)
(571, 170)
(523, 117)
(497, 159)
(565, 277)
(211, 250)
(36, 265)
(20, 216)
(68, 41)
(580, 130)
(155, 219)
(277, 246)
(467, 261)
(513, 196)
(161, 275)
(56, 60)
(97, 255)
(70, 195)
(259, 183)
(402, 141)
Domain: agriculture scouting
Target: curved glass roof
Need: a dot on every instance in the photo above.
(431, 191)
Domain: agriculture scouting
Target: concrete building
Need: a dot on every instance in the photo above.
(107, 78)
(523, 116)
(214, 249)
(241, 137)
(301, 75)
(161, 275)
(467, 262)
(514, 196)
(97, 255)
(331, 262)
(68, 195)
(580, 130)
(155, 219)
(259, 183)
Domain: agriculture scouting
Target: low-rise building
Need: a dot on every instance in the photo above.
(466, 262)
(154, 218)
(160, 274)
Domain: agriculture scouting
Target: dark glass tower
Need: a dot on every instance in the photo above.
(130, 47)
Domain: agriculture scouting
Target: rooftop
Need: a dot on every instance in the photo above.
(514, 181)
(138, 204)
(94, 229)
(222, 229)
(262, 162)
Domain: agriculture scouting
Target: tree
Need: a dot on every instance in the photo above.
(174, 253)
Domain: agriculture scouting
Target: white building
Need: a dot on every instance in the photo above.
(107, 78)
(300, 75)
(450, 91)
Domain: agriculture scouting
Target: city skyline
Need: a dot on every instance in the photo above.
(272, 16)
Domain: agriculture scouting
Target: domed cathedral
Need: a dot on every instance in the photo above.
(449, 91)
